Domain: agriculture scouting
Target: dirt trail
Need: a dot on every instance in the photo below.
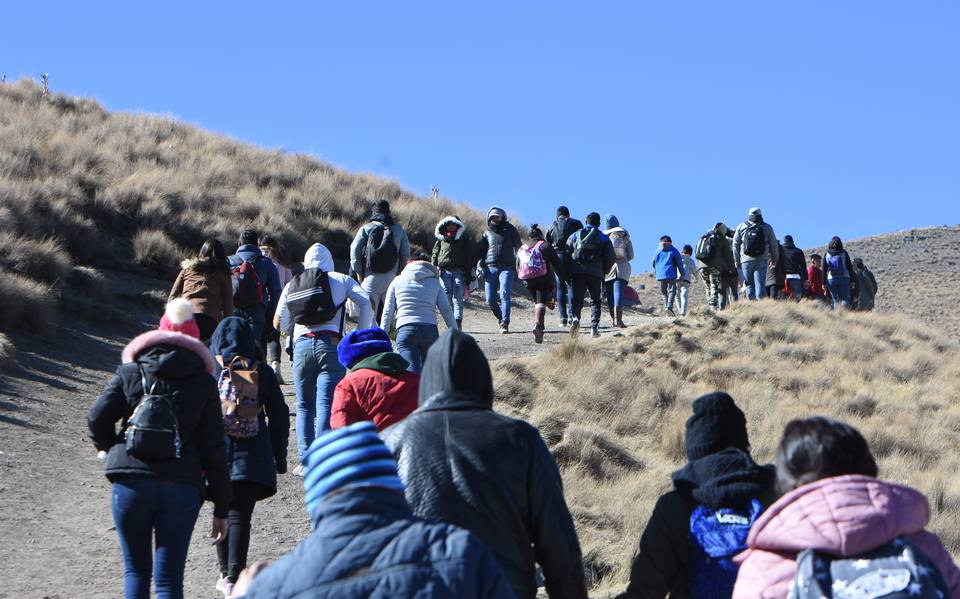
(56, 530)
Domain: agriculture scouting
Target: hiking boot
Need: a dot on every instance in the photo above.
(538, 334)
(574, 327)
(618, 319)
(504, 328)
(298, 470)
(276, 370)
(225, 586)
(595, 331)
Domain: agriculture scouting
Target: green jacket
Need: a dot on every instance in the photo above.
(454, 253)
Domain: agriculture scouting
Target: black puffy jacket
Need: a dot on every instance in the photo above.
(464, 464)
(184, 366)
(499, 244)
(795, 263)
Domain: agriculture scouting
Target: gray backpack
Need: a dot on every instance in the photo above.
(898, 570)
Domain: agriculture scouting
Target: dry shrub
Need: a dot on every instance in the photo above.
(25, 304)
(7, 351)
(156, 251)
(39, 259)
(89, 282)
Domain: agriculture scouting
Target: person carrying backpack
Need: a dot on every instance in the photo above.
(718, 494)
(714, 259)
(256, 425)
(839, 274)
(795, 268)
(867, 285)
(206, 282)
(168, 452)
(558, 234)
(618, 277)
(498, 251)
(837, 526)
(379, 385)
(312, 311)
(755, 250)
(453, 255)
(378, 253)
(683, 284)
(776, 278)
(539, 266)
(270, 248)
(668, 268)
(412, 301)
(256, 284)
(591, 258)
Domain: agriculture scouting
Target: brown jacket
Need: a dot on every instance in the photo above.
(209, 290)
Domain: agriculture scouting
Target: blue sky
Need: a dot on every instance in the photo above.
(834, 117)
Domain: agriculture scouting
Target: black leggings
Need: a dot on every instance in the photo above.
(232, 552)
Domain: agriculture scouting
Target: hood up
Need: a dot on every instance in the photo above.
(318, 256)
(419, 271)
(233, 337)
(498, 211)
(456, 366)
(450, 220)
(610, 222)
(726, 478)
(145, 342)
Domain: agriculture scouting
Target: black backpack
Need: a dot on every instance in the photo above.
(152, 431)
(310, 299)
(754, 240)
(587, 249)
(560, 232)
(381, 251)
(707, 248)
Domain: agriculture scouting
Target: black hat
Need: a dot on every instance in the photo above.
(716, 424)
(381, 207)
(249, 237)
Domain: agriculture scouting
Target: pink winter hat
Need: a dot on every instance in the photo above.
(178, 317)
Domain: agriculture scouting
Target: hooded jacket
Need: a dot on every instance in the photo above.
(771, 252)
(209, 290)
(257, 459)
(727, 478)
(499, 244)
(378, 388)
(414, 298)
(465, 464)
(794, 261)
(817, 289)
(560, 232)
(598, 268)
(269, 277)
(621, 266)
(722, 260)
(668, 263)
(843, 516)
(183, 366)
(342, 288)
(358, 248)
(867, 287)
(452, 253)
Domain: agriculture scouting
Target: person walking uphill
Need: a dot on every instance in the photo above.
(755, 249)
(378, 387)
(498, 251)
(668, 268)
(618, 277)
(365, 540)
(837, 525)
(170, 441)
(866, 284)
(271, 249)
(256, 284)
(312, 309)
(717, 494)
(684, 283)
(453, 255)
(591, 258)
(464, 464)
(776, 278)
(413, 300)
(539, 266)
(256, 425)
(558, 234)
(794, 267)
(206, 282)
(838, 268)
(378, 253)
(714, 259)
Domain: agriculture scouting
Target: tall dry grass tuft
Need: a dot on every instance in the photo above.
(26, 305)
(613, 410)
(7, 351)
(156, 251)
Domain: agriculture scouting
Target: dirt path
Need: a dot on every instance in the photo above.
(56, 531)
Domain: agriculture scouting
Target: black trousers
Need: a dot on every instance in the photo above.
(582, 285)
(232, 552)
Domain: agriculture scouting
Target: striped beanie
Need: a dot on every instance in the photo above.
(352, 456)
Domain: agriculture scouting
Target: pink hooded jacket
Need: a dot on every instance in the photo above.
(844, 516)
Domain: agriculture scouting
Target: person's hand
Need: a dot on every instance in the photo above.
(219, 530)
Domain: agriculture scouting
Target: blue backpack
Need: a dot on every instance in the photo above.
(716, 537)
(837, 265)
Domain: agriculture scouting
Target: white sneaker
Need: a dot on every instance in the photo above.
(226, 587)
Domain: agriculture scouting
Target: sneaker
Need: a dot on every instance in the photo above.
(563, 323)
(298, 470)
(574, 327)
(276, 370)
(504, 328)
(225, 586)
(595, 332)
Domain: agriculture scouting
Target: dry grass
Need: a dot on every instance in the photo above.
(612, 411)
(25, 304)
(7, 351)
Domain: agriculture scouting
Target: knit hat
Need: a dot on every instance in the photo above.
(754, 212)
(348, 457)
(361, 344)
(178, 317)
(716, 424)
(788, 240)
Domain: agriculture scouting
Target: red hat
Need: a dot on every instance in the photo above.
(178, 317)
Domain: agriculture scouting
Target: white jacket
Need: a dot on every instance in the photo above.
(415, 296)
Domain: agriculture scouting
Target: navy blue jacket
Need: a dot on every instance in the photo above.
(367, 543)
(267, 272)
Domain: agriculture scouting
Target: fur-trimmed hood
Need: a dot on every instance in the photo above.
(150, 339)
(450, 220)
(202, 265)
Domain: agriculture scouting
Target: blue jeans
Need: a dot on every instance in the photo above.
(316, 372)
(499, 280)
(755, 278)
(564, 298)
(144, 507)
(614, 290)
(413, 341)
(796, 289)
(455, 284)
(839, 292)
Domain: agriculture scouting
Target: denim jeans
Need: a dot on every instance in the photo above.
(668, 289)
(614, 290)
(501, 280)
(839, 291)
(316, 372)
(454, 283)
(564, 298)
(413, 341)
(796, 289)
(755, 278)
(582, 285)
(143, 507)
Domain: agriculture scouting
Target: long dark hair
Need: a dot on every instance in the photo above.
(835, 244)
(269, 241)
(213, 252)
(818, 447)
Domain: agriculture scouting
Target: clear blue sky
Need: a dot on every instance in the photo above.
(834, 117)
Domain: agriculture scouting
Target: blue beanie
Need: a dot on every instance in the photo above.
(352, 456)
(361, 344)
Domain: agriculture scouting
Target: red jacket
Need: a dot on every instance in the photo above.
(378, 389)
(815, 277)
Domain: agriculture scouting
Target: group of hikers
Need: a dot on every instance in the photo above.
(413, 484)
